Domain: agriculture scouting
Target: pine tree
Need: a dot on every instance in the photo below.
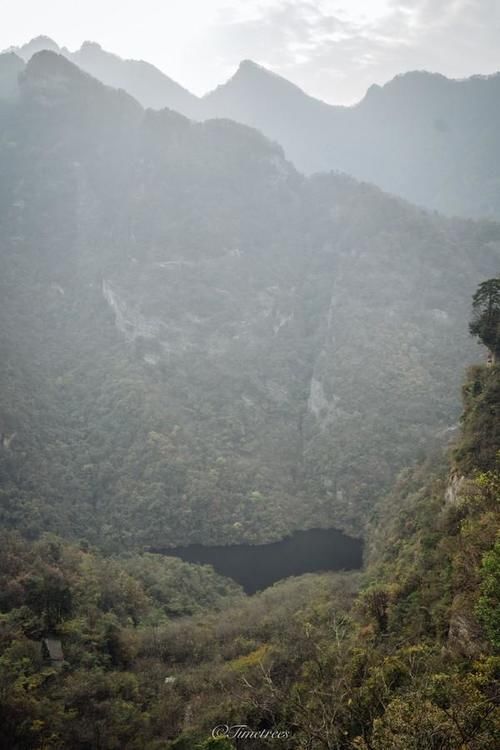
(485, 323)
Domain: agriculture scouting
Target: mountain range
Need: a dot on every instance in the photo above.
(444, 131)
(216, 347)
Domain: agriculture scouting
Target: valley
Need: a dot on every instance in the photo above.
(249, 448)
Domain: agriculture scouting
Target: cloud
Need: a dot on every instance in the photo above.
(336, 54)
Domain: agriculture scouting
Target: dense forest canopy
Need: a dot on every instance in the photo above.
(147, 652)
(486, 319)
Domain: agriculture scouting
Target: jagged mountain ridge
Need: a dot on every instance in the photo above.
(217, 348)
(422, 136)
(444, 131)
(146, 83)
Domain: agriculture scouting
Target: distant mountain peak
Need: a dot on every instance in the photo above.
(141, 80)
(248, 64)
(55, 85)
(43, 39)
(37, 44)
(47, 62)
(89, 44)
(94, 51)
(253, 83)
(46, 66)
(422, 80)
(249, 76)
(48, 71)
(249, 68)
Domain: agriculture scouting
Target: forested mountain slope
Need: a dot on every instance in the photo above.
(403, 656)
(215, 348)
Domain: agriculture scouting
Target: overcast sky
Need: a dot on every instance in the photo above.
(334, 49)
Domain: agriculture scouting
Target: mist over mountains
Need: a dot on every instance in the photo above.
(218, 347)
(445, 132)
(143, 81)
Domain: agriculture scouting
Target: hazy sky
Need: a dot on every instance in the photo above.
(334, 49)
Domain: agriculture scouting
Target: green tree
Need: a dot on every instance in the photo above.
(485, 323)
(488, 607)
